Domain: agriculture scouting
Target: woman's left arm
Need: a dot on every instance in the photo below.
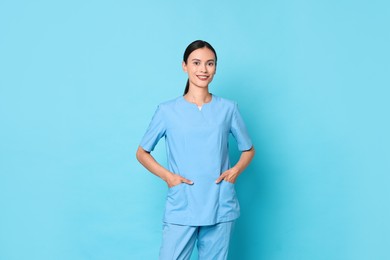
(231, 174)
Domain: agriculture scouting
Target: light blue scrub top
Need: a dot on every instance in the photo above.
(197, 149)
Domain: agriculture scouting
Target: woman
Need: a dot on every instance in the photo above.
(201, 203)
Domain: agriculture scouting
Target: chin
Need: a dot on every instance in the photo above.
(201, 84)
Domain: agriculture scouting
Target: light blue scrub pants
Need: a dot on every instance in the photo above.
(179, 241)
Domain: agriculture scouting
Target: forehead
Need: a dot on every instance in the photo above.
(202, 54)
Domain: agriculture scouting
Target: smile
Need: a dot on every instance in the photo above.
(202, 77)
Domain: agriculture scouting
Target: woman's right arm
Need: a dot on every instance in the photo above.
(147, 160)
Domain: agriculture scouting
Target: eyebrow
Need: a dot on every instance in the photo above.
(200, 60)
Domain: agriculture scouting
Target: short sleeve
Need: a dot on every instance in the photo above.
(155, 131)
(239, 131)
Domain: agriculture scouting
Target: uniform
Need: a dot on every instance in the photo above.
(197, 149)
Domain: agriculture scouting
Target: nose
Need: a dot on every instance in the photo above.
(203, 68)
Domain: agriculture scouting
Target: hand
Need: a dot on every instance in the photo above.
(176, 179)
(229, 176)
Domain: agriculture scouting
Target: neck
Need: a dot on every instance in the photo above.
(198, 96)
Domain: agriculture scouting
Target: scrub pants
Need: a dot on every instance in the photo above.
(179, 241)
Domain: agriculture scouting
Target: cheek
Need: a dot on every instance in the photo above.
(211, 77)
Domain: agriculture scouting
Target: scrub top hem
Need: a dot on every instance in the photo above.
(197, 224)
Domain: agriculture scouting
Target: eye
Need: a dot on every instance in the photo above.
(196, 63)
(210, 64)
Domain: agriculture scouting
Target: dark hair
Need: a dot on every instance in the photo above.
(198, 44)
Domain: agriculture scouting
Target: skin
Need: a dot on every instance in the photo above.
(201, 68)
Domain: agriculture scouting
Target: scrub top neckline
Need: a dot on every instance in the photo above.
(195, 105)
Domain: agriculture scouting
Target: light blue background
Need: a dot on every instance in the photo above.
(80, 81)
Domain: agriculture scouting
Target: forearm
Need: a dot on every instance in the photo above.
(231, 174)
(147, 160)
(245, 159)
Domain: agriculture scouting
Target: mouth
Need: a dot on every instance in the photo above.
(202, 77)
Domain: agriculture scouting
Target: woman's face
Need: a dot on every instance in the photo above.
(200, 67)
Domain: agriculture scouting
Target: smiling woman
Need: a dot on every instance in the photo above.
(201, 202)
(201, 68)
(194, 53)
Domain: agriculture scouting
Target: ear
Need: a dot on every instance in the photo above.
(184, 66)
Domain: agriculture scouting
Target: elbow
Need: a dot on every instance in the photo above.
(249, 153)
(252, 151)
(140, 154)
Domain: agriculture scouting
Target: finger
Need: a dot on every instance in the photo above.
(184, 180)
(220, 179)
